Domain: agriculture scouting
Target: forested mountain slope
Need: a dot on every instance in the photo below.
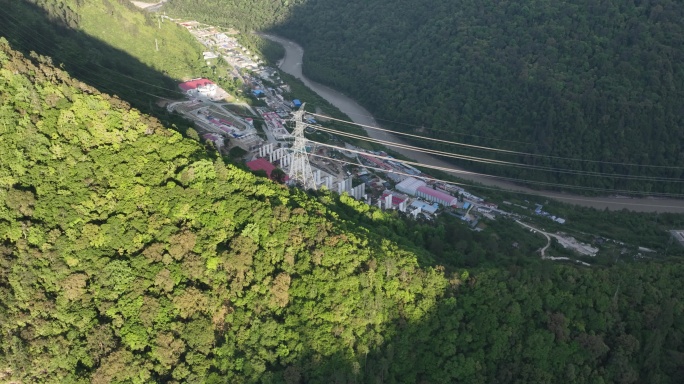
(128, 254)
(578, 79)
(109, 44)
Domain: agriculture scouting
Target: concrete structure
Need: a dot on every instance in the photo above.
(327, 182)
(415, 187)
(358, 192)
(436, 196)
(344, 186)
(678, 235)
(425, 207)
(396, 200)
(387, 201)
(203, 87)
(410, 186)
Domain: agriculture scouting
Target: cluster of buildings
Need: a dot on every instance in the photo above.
(419, 188)
(220, 44)
(214, 122)
(380, 180)
(539, 211)
(203, 89)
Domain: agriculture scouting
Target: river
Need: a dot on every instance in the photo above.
(292, 64)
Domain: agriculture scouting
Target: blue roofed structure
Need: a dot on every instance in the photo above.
(425, 207)
(297, 103)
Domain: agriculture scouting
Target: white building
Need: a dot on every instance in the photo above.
(410, 185)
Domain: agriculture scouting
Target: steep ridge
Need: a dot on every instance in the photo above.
(109, 44)
(129, 254)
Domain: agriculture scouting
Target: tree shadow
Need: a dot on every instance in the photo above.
(30, 28)
(432, 347)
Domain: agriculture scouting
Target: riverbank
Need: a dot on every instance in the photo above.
(292, 64)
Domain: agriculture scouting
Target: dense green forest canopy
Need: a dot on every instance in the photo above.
(129, 255)
(581, 79)
(111, 45)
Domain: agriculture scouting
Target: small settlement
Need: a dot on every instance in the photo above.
(369, 176)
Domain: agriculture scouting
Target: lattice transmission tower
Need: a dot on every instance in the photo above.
(300, 169)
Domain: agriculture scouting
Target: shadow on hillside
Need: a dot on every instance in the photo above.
(423, 351)
(30, 28)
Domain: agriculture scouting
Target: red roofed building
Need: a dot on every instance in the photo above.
(262, 164)
(397, 198)
(436, 196)
(193, 84)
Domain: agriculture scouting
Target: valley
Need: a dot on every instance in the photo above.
(292, 64)
(159, 222)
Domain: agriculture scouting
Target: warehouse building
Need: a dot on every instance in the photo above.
(414, 187)
(436, 196)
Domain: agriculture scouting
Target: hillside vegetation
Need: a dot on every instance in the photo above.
(579, 79)
(109, 44)
(129, 255)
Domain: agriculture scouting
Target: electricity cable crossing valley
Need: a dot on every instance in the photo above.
(492, 149)
(490, 161)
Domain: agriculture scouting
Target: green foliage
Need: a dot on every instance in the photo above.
(599, 82)
(128, 255)
(135, 257)
(109, 44)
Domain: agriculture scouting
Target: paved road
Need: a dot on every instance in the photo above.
(292, 64)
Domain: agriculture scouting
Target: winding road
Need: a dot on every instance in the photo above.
(292, 64)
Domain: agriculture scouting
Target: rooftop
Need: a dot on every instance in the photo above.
(193, 84)
(261, 164)
(410, 184)
(436, 194)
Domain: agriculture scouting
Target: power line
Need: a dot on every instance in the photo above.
(91, 76)
(578, 199)
(44, 44)
(463, 157)
(490, 148)
(456, 171)
(493, 161)
(433, 129)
